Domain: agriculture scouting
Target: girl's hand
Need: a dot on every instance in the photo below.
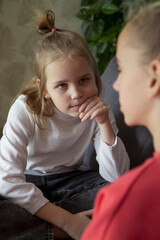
(81, 220)
(87, 213)
(76, 228)
(94, 108)
(65, 223)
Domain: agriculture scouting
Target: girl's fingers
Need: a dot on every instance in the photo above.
(92, 111)
(93, 108)
(88, 104)
(87, 213)
(86, 115)
(98, 113)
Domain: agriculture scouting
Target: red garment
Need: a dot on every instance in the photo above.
(129, 208)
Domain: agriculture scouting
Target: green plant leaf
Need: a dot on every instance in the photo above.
(101, 47)
(110, 34)
(109, 8)
(87, 13)
(94, 8)
(83, 14)
(93, 50)
(88, 2)
(102, 20)
(97, 27)
(92, 28)
(87, 30)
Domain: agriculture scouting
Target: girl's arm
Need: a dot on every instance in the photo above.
(72, 224)
(17, 131)
(13, 154)
(111, 154)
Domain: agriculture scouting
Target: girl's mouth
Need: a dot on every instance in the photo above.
(77, 105)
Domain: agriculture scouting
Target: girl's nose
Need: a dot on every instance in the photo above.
(76, 93)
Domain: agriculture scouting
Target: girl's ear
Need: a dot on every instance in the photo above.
(38, 82)
(45, 93)
(154, 82)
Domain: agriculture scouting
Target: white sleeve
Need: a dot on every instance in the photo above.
(13, 158)
(113, 160)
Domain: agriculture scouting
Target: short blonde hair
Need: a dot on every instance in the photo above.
(48, 50)
(145, 26)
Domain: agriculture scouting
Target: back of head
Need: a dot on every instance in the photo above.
(57, 43)
(144, 19)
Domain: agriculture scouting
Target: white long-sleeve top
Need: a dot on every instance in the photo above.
(60, 147)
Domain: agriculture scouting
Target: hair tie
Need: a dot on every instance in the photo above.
(53, 30)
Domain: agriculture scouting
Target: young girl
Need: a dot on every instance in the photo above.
(133, 210)
(48, 130)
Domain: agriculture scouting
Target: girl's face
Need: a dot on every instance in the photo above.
(132, 82)
(70, 82)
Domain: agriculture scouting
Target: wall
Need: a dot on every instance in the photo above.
(18, 39)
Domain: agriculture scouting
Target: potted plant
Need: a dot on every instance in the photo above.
(102, 21)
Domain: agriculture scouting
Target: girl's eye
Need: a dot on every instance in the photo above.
(63, 85)
(83, 80)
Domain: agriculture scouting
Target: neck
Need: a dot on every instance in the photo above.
(154, 127)
(156, 141)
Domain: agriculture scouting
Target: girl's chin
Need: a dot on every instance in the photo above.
(74, 114)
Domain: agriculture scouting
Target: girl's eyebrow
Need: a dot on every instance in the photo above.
(85, 75)
(66, 80)
(60, 82)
